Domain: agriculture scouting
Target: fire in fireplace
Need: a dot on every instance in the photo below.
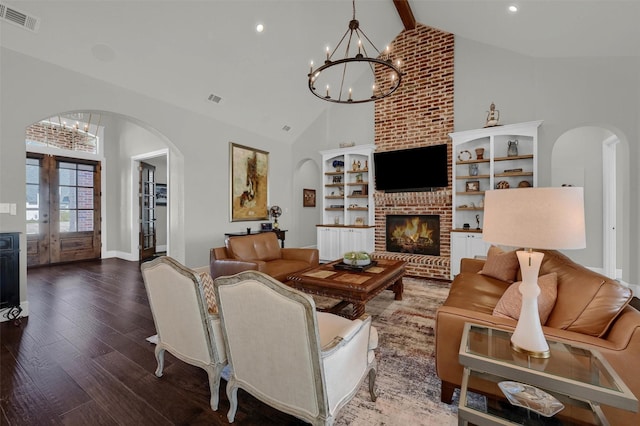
(415, 234)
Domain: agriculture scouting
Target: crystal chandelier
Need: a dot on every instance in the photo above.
(334, 80)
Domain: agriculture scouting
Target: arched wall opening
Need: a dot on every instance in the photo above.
(125, 141)
(597, 158)
(307, 175)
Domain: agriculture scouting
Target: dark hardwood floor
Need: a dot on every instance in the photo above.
(81, 358)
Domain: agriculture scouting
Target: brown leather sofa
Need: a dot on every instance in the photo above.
(590, 310)
(260, 252)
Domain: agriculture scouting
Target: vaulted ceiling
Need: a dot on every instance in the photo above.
(181, 52)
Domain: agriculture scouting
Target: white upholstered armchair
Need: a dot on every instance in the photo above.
(187, 325)
(285, 354)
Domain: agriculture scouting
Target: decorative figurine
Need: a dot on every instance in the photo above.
(478, 222)
(493, 115)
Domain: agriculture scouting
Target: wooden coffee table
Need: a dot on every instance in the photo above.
(350, 287)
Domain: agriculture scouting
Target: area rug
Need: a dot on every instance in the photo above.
(407, 384)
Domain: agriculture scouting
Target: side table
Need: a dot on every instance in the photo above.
(579, 377)
(280, 233)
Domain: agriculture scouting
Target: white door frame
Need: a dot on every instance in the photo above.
(609, 200)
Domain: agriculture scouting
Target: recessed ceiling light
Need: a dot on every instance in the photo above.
(259, 28)
(513, 8)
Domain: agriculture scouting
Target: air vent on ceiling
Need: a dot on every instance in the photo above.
(214, 98)
(286, 128)
(21, 19)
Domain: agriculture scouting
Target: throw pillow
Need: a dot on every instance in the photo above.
(501, 265)
(209, 295)
(510, 303)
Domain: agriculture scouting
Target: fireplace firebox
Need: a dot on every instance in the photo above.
(415, 234)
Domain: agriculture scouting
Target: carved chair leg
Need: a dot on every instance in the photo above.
(214, 372)
(232, 395)
(446, 392)
(160, 358)
(372, 384)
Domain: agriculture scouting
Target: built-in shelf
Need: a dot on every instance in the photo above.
(460, 163)
(348, 221)
(496, 168)
(473, 177)
(470, 193)
(510, 174)
(514, 157)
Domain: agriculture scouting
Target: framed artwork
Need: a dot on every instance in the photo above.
(308, 198)
(473, 186)
(161, 194)
(249, 168)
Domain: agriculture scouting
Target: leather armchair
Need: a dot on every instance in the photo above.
(287, 355)
(184, 321)
(586, 301)
(260, 252)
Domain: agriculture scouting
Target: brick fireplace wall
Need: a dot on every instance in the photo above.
(419, 113)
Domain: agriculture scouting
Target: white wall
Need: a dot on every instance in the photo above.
(566, 94)
(198, 169)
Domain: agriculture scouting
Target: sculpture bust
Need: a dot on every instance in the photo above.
(493, 115)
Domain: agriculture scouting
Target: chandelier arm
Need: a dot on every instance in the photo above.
(344, 72)
(346, 51)
(370, 42)
(339, 43)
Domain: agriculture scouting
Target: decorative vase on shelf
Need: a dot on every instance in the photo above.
(473, 169)
(512, 150)
(479, 153)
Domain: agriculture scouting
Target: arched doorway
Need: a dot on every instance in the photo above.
(596, 158)
(123, 138)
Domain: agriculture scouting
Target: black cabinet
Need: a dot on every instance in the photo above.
(9, 270)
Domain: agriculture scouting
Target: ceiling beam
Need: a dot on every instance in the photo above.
(406, 15)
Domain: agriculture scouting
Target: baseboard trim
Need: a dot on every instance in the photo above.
(121, 255)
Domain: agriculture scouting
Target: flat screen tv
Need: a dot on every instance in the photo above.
(415, 169)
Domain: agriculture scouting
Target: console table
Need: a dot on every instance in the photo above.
(280, 233)
(579, 377)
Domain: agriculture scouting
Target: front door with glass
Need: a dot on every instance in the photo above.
(62, 210)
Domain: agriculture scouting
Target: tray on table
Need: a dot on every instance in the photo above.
(356, 268)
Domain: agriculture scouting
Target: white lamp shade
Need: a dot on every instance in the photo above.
(543, 218)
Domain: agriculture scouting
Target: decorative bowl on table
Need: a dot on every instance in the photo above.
(356, 258)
